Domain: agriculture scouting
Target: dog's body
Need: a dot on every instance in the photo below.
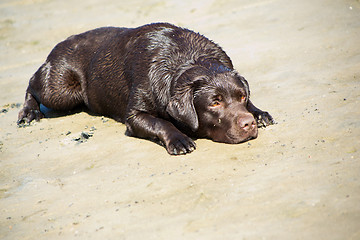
(162, 81)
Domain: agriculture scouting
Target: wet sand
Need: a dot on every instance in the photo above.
(79, 176)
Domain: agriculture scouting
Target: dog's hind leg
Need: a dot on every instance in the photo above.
(30, 110)
(57, 87)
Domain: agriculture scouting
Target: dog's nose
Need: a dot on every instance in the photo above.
(247, 122)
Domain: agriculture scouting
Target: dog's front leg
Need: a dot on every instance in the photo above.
(263, 118)
(145, 125)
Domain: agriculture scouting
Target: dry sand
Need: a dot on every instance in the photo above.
(299, 180)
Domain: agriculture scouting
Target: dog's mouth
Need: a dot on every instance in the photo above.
(235, 137)
(239, 139)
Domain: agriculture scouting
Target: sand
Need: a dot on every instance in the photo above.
(78, 175)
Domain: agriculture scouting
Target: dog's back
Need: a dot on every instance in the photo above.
(145, 62)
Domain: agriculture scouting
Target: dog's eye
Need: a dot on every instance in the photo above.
(215, 104)
(217, 100)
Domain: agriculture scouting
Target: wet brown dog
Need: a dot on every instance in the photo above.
(164, 82)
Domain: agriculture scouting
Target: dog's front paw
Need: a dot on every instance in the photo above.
(264, 119)
(178, 143)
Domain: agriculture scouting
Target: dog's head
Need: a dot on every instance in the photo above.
(213, 104)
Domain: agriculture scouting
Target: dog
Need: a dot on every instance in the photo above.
(166, 83)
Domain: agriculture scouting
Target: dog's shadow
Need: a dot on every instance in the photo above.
(51, 113)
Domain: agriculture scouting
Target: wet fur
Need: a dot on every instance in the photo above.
(158, 79)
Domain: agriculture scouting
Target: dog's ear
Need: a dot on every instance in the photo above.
(243, 81)
(181, 107)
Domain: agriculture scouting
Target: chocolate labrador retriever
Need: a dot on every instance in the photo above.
(164, 82)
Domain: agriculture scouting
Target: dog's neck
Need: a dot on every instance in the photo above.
(213, 65)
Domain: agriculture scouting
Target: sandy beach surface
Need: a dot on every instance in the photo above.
(78, 176)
